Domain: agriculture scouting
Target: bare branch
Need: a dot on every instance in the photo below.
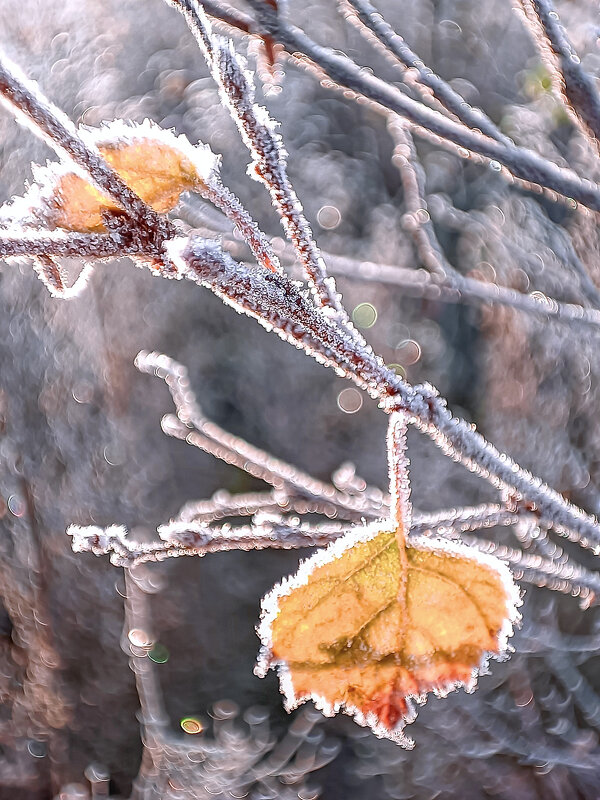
(277, 304)
(232, 449)
(368, 18)
(232, 17)
(223, 504)
(567, 578)
(417, 220)
(522, 163)
(228, 203)
(577, 89)
(460, 289)
(99, 246)
(190, 539)
(479, 223)
(51, 275)
(444, 289)
(268, 153)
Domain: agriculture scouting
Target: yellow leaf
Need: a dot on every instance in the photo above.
(369, 627)
(155, 163)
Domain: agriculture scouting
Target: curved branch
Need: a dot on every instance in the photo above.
(277, 304)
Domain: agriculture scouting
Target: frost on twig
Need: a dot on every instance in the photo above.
(278, 305)
(193, 532)
(192, 426)
(370, 21)
(180, 538)
(269, 156)
(24, 98)
(577, 89)
(524, 164)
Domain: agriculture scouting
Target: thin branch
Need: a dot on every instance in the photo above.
(417, 220)
(228, 203)
(32, 243)
(462, 221)
(455, 522)
(400, 506)
(570, 578)
(232, 17)
(233, 450)
(576, 88)
(277, 304)
(521, 162)
(370, 19)
(268, 153)
(190, 539)
(223, 505)
(534, 537)
(420, 283)
(460, 289)
(51, 275)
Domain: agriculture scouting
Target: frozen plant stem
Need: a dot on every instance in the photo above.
(524, 164)
(576, 88)
(278, 304)
(400, 510)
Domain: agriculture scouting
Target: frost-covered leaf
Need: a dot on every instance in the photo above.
(369, 628)
(155, 163)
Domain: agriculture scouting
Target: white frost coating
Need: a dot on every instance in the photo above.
(270, 610)
(205, 162)
(65, 292)
(398, 463)
(174, 251)
(35, 203)
(92, 539)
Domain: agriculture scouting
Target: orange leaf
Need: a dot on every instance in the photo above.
(369, 628)
(155, 163)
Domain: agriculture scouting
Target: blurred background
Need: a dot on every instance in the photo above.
(80, 438)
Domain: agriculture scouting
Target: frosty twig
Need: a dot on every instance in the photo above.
(524, 164)
(369, 19)
(60, 132)
(571, 81)
(269, 156)
(277, 303)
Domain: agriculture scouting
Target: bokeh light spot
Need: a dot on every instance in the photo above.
(409, 352)
(364, 315)
(329, 217)
(16, 505)
(350, 401)
(191, 725)
(36, 749)
(140, 638)
(398, 369)
(159, 654)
